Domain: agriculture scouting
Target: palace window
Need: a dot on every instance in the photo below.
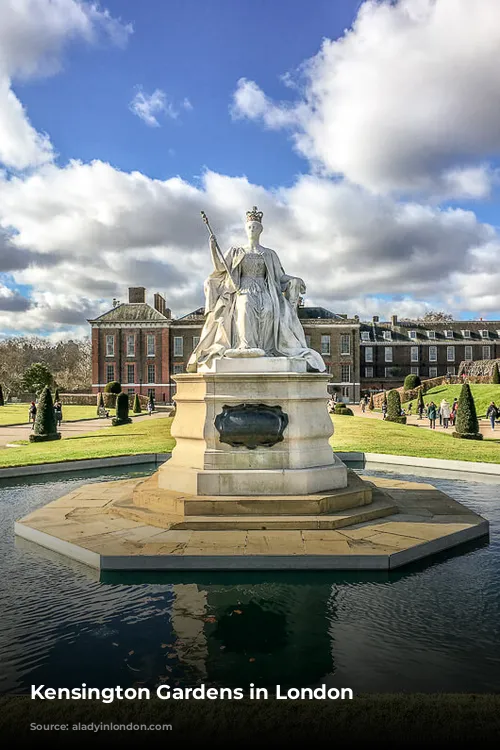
(368, 353)
(431, 334)
(178, 346)
(466, 335)
(485, 334)
(450, 370)
(130, 374)
(196, 341)
(177, 369)
(130, 345)
(151, 373)
(110, 346)
(110, 373)
(387, 335)
(388, 353)
(345, 344)
(345, 373)
(150, 344)
(412, 334)
(486, 352)
(389, 372)
(325, 344)
(450, 353)
(368, 372)
(130, 391)
(433, 372)
(365, 335)
(414, 354)
(468, 352)
(433, 354)
(448, 334)
(414, 370)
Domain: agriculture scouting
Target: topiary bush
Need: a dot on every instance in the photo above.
(137, 405)
(113, 387)
(411, 382)
(2, 402)
(345, 412)
(466, 423)
(495, 379)
(122, 416)
(394, 408)
(45, 423)
(338, 407)
(371, 403)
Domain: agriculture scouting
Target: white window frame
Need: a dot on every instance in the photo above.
(130, 345)
(178, 348)
(484, 334)
(466, 334)
(412, 335)
(450, 353)
(414, 370)
(387, 335)
(326, 343)
(107, 374)
(151, 367)
(433, 372)
(177, 369)
(431, 334)
(365, 336)
(450, 370)
(448, 334)
(468, 351)
(433, 354)
(368, 372)
(151, 350)
(414, 354)
(110, 345)
(343, 368)
(196, 341)
(368, 353)
(129, 365)
(486, 351)
(387, 372)
(345, 339)
(388, 354)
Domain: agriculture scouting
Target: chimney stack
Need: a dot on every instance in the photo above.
(159, 303)
(375, 319)
(394, 320)
(136, 294)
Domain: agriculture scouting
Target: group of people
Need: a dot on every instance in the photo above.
(57, 413)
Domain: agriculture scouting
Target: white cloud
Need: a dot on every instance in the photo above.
(148, 106)
(407, 100)
(33, 34)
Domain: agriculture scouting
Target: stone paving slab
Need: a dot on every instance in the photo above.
(88, 525)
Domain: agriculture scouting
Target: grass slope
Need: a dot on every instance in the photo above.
(131, 439)
(482, 394)
(12, 414)
(377, 436)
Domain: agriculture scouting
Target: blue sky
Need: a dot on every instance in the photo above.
(366, 130)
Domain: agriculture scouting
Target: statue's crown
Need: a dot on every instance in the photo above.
(255, 215)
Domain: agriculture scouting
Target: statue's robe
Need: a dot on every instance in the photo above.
(218, 333)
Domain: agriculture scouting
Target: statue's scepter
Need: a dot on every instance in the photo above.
(218, 251)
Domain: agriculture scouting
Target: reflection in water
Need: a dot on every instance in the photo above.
(429, 627)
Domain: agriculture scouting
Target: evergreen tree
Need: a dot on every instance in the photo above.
(411, 382)
(36, 377)
(394, 408)
(137, 404)
(2, 402)
(371, 403)
(466, 424)
(45, 423)
(496, 375)
(122, 416)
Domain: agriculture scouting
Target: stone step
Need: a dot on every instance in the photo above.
(382, 506)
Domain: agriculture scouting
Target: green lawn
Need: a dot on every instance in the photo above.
(376, 436)
(11, 414)
(483, 395)
(142, 437)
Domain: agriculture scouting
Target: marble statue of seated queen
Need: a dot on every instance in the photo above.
(251, 305)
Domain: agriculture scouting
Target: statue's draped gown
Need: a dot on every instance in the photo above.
(256, 316)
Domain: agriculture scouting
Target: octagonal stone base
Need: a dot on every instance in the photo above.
(101, 526)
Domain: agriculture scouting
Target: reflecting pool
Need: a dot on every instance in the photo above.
(428, 627)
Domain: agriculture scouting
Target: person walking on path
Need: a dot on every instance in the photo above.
(150, 407)
(32, 414)
(432, 414)
(492, 414)
(445, 412)
(420, 409)
(410, 405)
(384, 409)
(363, 405)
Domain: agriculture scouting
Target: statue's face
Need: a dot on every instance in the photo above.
(254, 230)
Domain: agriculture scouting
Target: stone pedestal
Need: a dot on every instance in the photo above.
(302, 462)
